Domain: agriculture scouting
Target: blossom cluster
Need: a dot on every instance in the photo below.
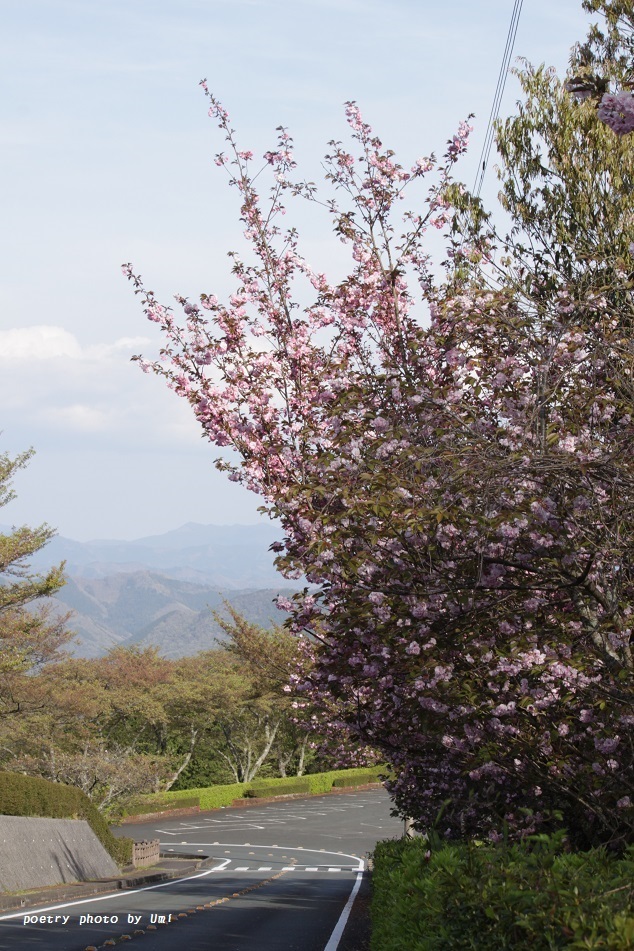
(617, 111)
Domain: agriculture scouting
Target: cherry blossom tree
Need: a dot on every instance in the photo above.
(450, 462)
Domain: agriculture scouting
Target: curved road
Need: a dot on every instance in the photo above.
(277, 877)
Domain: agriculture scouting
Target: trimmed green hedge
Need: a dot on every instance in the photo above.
(324, 782)
(532, 897)
(288, 789)
(31, 796)
(214, 797)
(360, 777)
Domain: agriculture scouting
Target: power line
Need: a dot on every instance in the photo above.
(497, 99)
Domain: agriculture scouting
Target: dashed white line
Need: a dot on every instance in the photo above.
(290, 868)
(359, 866)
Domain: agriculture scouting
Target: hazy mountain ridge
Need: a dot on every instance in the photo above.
(162, 590)
(229, 556)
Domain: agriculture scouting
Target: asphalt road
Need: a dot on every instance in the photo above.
(277, 877)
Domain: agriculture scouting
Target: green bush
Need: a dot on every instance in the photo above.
(359, 778)
(531, 897)
(214, 797)
(31, 796)
(324, 782)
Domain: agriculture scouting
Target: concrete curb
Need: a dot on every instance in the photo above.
(150, 816)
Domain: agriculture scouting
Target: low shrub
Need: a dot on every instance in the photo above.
(476, 897)
(32, 796)
(359, 778)
(337, 778)
(214, 797)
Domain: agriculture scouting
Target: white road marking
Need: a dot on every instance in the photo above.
(335, 937)
(118, 894)
(195, 828)
(292, 868)
(332, 835)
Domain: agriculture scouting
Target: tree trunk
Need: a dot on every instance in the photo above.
(302, 756)
(269, 739)
(184, 764)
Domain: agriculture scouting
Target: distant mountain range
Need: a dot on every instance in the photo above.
(224, 556)
(163, 590)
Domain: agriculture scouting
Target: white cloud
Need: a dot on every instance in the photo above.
(102, 351)
(38, 343)
(60, 392)
(46, 342)
(79, 418)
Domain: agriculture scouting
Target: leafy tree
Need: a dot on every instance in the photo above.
(270, 658)
(108, 774)
(125, 723)
(133, 722)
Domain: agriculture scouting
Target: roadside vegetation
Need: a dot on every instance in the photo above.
(133, 722)
(477, 896)
(556, 869)
(448, 448)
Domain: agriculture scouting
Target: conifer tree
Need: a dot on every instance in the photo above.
(29, 634)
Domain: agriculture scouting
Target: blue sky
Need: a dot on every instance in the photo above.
(107, 156)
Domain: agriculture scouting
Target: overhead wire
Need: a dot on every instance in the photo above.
(497, 99)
